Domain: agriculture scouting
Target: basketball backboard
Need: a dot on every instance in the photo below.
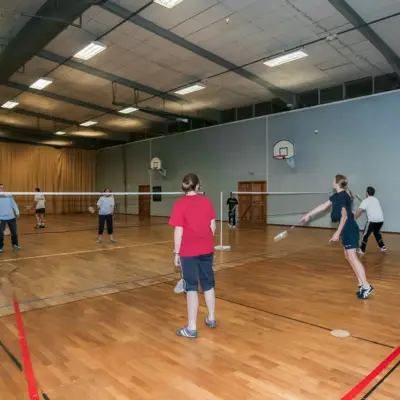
(284, 149)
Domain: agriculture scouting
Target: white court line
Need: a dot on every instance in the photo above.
(84, 251)
(95, 250)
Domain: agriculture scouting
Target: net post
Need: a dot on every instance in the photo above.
(221, 246)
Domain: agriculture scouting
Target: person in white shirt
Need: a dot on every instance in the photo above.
(105, 206)
(373, 208)
(40, 209)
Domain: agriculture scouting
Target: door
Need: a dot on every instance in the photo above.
(253, 207)
(144, 201)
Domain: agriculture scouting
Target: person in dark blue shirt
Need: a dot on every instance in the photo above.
(232, 204)
(341, 212)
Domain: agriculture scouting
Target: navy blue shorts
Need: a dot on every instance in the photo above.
(351, 235)
(198, 268)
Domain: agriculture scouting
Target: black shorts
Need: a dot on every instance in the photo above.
(351, 235)
(40, 211)
(198, 268)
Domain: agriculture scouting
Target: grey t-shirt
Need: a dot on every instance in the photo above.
(106, 204)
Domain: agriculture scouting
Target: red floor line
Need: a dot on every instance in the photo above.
(30, 378)
(367, 380)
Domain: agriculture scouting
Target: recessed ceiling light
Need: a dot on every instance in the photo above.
(88, 123)
(60, 133)
(90, 51)
(10, 104)
(41, 83)
(168, 3)
(128, 110)
(285, 58)
(191, 89)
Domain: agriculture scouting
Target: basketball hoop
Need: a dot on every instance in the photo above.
(285, 150)
(280, 157)
(156, 165)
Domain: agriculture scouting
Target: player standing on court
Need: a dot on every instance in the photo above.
(372, 207)
(193, 217)
(9, 213)
(40, 207)
(232, 205)
(106, 205)
(348, 230)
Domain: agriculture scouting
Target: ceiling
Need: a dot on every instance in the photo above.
(152, 51)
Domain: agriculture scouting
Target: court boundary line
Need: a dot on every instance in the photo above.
(372, 375)
(84, 251)
(293, 319)
(381, 381)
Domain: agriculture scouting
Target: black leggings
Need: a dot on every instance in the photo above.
(106, 219)
(232, 219)
(375, 228)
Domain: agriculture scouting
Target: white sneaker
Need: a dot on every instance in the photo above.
(359, 251)
(383, 249)
(229, 226)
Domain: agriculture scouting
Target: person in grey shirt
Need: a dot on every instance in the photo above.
(9, 213)
(105, 206)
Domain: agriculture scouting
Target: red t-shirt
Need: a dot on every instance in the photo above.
(194, 215)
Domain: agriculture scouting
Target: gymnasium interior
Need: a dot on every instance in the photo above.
(265, 100)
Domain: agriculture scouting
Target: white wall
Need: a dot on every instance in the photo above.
(358, 138)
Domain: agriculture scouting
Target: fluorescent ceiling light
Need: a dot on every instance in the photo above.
(285, 58)
(90, 51)
(41, 83)
(88, 123)
(168, 3)
(60, 133)
(191, 89)
(128, 110)
(10, 104)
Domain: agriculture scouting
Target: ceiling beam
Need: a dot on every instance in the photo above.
(358, 22)
(111, 135)
(49, 21)
(286, 96)
(47, 55)
(211, 114)
(75, 102)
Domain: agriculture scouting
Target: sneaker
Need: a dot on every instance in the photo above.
(42, 226)
(365, 293)
(1, 251)
(229, 226)
(359, 251)
(360, 288)
(37, 227)
(16, 247)
(99, 240)
(112, 240)
(383, 249)
(209, 323)
(186, 332)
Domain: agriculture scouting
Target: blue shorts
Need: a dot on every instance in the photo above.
(351, 235)
(198, 268)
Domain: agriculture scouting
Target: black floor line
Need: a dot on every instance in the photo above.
(11, 355)
(300, 321)
(381, 381)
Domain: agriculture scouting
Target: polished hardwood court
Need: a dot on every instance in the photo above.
(100, 319)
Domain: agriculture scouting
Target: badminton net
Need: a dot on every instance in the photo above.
(78, 210)
(276, 208)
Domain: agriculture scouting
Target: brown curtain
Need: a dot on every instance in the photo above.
(24, 167)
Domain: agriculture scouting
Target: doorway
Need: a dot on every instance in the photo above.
(253, 207)
(144, 201)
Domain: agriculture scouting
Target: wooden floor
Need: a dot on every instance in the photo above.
(100, 320)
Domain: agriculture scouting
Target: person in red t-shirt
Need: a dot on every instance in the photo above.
(193, 217)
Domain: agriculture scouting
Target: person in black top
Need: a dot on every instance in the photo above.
(232, 204)
(347, 229)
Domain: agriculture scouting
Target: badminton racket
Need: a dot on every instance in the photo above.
(180, 287)
(283, 235)
(358, 197)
